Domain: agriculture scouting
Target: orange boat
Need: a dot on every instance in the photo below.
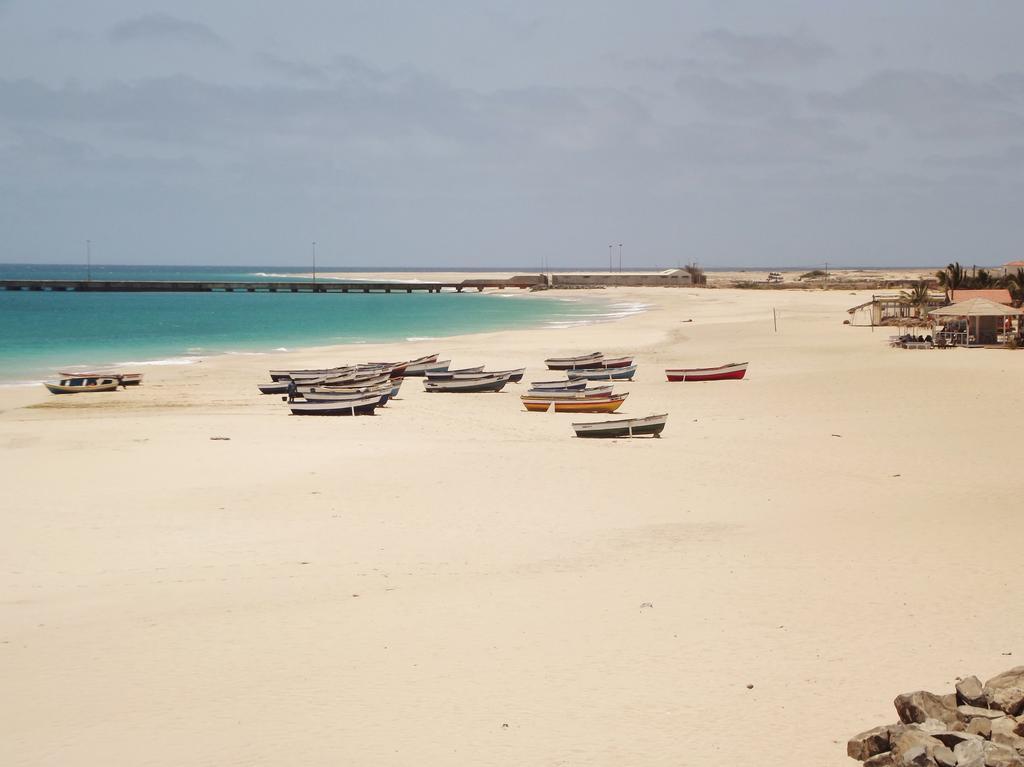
(582, 405)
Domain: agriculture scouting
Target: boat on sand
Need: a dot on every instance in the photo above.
(651, 426)
(491, 384)
(733, 371)
(568, 363)
(364, 406)
(604, 374)
(81, 384)
(607, 404)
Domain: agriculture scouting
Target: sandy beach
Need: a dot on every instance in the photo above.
(459, 582)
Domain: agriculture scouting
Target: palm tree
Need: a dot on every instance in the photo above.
(918, 297)
(697, 276)
(983, 279)
(952, 278)
(1015, 282)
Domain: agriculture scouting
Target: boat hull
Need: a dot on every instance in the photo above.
(583, 405)
(569, 363)
(604, 374)
(652, 426)
(61, 389)
(596, 391)
(466, 387)
(427, 367)
(82, 385)
(566, 385)
(448, 374)
(731, 372)
(364, 406)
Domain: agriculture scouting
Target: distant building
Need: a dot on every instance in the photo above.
(999, 295)
(890, 308)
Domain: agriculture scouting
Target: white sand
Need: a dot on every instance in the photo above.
(841, 526)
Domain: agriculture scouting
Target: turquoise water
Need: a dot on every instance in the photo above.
(41, 332)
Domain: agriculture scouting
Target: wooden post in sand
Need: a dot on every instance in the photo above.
(775, 320)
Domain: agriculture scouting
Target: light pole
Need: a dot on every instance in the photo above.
(88, 260)
(314, 262)
(620, 256)
(609, 257)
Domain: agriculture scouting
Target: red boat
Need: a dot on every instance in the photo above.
(731, 372)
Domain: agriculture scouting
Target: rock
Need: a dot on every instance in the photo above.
(1004, 732)
(970, 693)
(980, 726)
(943, 757)
(915, 707)
(952, 739)
(915, 757)
(932, 726)
(869, 743)
(881, 760)
(905, 746)
(970, 753)
(1001, 756)
(1006, 691)
(967, 713)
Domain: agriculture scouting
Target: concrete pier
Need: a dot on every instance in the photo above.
(308, 286)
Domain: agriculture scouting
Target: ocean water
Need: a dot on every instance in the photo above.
(41, 332)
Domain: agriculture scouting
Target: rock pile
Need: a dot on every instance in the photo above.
(980, 725)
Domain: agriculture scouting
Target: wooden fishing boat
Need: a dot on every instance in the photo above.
(349, 385)
(564, 385)
(651, 426)
(731, 372)
(604, 374)
(617, 362)
(364, 406)
(447, 375)
(126, 379)
(594, 391)
(383, 395)
(275, 387)
(608, 404)
(422, 368)
(285, 375)
(81, 384)
(398, 368)
(491, 384)
(513, 376)
(568, 363)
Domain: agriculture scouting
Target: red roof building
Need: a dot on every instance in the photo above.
(999, 295)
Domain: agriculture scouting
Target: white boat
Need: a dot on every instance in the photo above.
(558, 385)
(423, 368)
(569, 363)
(651, 426)
(571, 394)
(80, 384)
(494, 383)
(364, 406)
(126, 379)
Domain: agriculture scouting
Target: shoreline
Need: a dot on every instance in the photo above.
(183, 356)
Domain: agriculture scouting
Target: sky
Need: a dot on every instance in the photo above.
(490, 134)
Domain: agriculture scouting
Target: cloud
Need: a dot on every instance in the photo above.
(731, 99)
(292, 69)
(773, 142)
(164, 28)
(764, 53)
(934, 105)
